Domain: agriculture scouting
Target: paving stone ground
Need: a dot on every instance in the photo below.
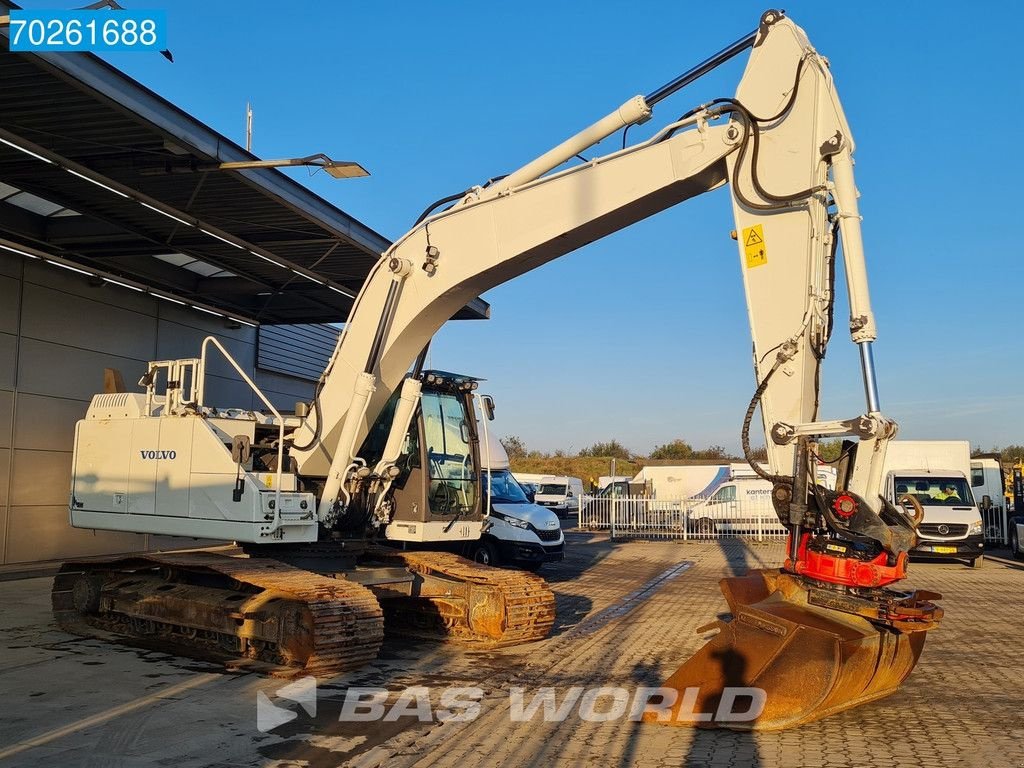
(628, 615)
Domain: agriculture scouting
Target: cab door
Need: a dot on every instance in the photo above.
(450, 449)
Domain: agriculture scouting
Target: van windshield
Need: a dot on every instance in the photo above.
(934, 490)
(505, 489)
(551, 489)
(616, 489)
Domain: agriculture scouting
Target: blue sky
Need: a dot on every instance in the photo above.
(643, 336)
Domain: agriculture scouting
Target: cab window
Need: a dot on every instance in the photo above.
(727, 493)
(446, 433)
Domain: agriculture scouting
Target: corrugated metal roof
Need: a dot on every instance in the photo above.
(296, 350)
(78, 109)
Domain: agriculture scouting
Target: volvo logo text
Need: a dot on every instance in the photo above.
(158, 454)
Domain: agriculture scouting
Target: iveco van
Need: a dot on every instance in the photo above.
(516, 531)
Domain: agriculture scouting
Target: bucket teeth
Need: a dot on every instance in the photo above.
(783, 660)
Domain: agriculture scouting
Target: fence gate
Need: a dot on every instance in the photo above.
(993, 520)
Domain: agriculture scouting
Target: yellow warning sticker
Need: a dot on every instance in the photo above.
(754, 246)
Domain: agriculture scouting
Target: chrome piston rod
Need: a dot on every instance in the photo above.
(867, 369)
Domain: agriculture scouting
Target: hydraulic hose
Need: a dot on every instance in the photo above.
(745, 432)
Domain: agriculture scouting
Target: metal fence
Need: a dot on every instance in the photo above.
(994, 521)
(698, 518)
(692, 518)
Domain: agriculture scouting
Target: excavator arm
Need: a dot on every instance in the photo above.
(785, 149)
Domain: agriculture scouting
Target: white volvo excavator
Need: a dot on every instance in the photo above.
(386, 452)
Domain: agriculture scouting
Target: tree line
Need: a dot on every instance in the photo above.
(676, 450)
(681, 450)
(1010, 454)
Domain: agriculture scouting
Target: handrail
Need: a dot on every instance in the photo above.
(488, 466)
(201, 391)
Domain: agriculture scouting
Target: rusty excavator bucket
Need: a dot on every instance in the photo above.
(812, 651)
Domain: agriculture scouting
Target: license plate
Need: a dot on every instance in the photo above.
(944, 550)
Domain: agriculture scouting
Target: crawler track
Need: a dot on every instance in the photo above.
(462, 600)
(285, 620)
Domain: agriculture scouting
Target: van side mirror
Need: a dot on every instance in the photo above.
(986, 502)
(569, 495)
(531, 496)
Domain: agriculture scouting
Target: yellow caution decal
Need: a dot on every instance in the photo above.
(754, 246)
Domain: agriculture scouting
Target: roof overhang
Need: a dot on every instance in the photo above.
(123, 173)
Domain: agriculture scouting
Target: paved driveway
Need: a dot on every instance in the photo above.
(628, 615)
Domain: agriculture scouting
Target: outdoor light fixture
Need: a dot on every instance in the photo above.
(339, 169)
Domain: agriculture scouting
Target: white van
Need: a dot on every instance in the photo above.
(936, 473)
(516, 532)
(560, 494)
(740, 505)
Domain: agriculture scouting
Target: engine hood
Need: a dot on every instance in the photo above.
(540, 518)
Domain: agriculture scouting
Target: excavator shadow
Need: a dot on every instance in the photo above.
(705, 746)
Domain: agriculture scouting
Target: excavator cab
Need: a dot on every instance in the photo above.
(437, 488)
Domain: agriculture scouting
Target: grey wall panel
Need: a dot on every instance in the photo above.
(39, 273)
(10, 265)
(175, 341)
(45, 368)
(8, 359)
(6, 417)
(47, 423)
(40, 478)
(43, 533)
(10, 295)
(224, 392)
(207, 324)
(290, 388)
(5, 469)
(74, 321)
(285, 401)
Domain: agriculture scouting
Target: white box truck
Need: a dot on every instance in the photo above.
(687, 481)
(682, 481)
(937, 473)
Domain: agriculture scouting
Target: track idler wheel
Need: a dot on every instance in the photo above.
(794, 652)
(85, 593)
